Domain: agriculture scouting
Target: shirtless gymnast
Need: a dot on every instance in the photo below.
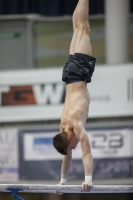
(76, 74)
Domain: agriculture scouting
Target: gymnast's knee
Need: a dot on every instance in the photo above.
(84, 27)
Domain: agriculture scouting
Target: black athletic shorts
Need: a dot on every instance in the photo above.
(79, 67)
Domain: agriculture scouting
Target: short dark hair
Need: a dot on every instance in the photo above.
(60, 142)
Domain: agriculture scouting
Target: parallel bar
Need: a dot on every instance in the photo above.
(30, 188)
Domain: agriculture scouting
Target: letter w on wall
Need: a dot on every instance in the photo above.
(48, 94)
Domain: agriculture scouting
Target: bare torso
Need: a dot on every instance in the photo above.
(76, 106)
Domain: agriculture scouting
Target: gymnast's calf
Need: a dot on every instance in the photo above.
(77, 72)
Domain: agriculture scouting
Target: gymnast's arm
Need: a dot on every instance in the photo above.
(86, 154)
(66, 163)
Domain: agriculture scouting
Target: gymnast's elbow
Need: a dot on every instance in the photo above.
(85, 146)
(86, 154)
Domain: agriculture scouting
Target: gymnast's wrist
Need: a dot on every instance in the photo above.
(88, 178)
(63, 181)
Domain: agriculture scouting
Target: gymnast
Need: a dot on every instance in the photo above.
(77, 73)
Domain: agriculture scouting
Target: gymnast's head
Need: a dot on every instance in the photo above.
(61, 142)
(64, 142)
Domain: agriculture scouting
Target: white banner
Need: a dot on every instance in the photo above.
(39, 146)
(39, 94)
(112, 143)
(8, 155)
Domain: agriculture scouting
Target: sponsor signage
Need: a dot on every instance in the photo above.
(8, 155)
(40, 94)
(104, 144)
(111, 149)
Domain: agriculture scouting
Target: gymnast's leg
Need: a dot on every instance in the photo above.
(81, 37)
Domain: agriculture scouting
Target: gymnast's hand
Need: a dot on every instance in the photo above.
(86, 185)
(61, 183)
(58, 192)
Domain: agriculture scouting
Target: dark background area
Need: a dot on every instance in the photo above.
(7, 196)
(49, 7)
